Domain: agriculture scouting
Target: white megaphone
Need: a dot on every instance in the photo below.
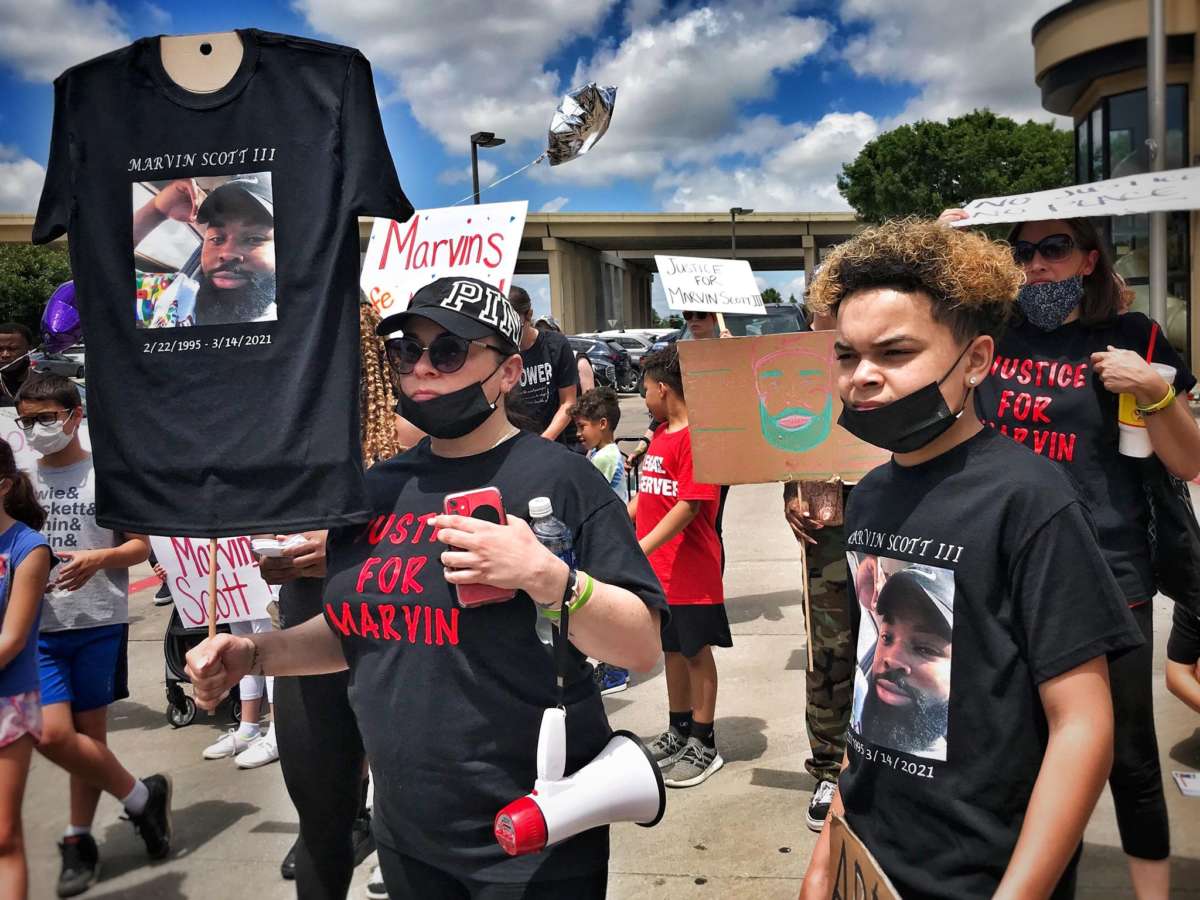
(622, 784)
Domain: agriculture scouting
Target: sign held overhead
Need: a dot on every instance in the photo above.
(709, 285)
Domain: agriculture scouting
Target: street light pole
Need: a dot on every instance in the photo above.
(480, 139)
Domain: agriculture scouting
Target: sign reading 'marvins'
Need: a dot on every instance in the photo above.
(709, 285)
(1146, 193)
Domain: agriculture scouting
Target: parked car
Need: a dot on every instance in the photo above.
(635, 344)
(612, 364)
(780, 318)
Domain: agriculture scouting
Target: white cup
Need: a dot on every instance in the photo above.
(1134, 440)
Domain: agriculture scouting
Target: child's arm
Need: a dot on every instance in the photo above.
(28, 587)
(81, 565)
(680, 515)
(1078, 758)
(631, 505)
(1184, 682)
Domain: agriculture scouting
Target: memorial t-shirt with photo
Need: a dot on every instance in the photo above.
(980, 579)
(450, 700)
(215, 248)
(549, 365)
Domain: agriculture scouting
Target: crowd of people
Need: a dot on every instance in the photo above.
(968, 773)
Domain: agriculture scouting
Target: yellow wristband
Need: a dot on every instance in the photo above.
(1162, 404)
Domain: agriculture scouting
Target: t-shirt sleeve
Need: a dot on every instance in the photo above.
(1183, 645)
(58, 196)
(566, 372)
(607, 549)
(689, 489)
(370, 186)
(1070, 607)
(1135, 329)
(26, 544)
(606, 461)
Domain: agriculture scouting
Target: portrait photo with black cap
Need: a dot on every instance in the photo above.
(905, 651)
(204, 251)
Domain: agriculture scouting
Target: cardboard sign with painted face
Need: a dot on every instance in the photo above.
(795, 398)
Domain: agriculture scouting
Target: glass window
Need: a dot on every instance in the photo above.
(1128, 154)
(1097, 173)
(1081, 152)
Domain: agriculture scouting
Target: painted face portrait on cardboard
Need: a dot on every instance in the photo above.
(795, 398)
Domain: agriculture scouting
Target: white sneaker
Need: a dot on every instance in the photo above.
(261, 752)
(376, 889)
(230, 744)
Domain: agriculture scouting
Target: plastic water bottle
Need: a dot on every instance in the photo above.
(556, 537)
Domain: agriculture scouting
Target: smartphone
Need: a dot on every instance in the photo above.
(487, 504)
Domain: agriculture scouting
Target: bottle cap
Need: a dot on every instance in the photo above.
(540, 508)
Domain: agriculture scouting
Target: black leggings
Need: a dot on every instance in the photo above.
(1136, 778)
(321, 754)
(410, 879)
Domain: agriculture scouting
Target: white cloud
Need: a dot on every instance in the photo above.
(962, 55)
(487, 173)
(155, 16)
(20, 181)
(39, 40)
(553, 206)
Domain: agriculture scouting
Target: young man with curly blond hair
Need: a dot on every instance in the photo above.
(981, 733)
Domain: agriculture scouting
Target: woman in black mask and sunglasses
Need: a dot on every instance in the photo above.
(449, 697)
(1054, 387)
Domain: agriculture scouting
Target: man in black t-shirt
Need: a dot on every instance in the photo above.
(550, 380)
(15, 343)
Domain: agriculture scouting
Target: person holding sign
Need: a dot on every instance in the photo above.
(450, 698)
(1056, 386)
(982, 732)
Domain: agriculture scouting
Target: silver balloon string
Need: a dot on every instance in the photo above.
(530, 165)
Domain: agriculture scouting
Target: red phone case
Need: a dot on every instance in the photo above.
(484, 503)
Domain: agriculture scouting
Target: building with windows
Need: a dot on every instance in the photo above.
(1090, 61)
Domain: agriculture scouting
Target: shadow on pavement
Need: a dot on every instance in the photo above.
(167, 886)
(1187, 752)
(740, 738)
(761, 606)
(1103, 868)
(783, 779)
(125, 715)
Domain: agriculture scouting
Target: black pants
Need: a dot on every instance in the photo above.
(410, 879)
(321, 753)
(1136, 778)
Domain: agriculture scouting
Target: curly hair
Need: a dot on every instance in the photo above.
(663, 365)
(971, 280)
(375, 392)
(596, 404)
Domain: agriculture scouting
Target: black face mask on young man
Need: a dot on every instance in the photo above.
(907, 424)
(451, 415)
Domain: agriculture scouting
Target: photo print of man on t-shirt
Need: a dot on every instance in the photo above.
(204, 250)
(905, 644)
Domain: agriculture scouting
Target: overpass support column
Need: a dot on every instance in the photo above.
(810, 257)
(575, 285)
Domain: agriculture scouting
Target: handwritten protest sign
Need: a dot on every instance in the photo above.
(26, 457)
(709, 285)
(476, 241)
(241, 592)
(765, 409)
(1149, 192)
(856, 874)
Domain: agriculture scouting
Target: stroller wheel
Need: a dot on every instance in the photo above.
(183, 714)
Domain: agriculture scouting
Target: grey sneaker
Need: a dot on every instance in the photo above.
(667, 747)
(694, 765)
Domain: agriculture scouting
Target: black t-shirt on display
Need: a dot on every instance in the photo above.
(549, 366)
(1183, 644)
(985, 581)
(215, 249)
(1043, 393)
(450, 700)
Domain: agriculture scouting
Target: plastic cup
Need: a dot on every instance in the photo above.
(1133, 440)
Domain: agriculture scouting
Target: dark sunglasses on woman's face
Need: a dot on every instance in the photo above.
(688, 315)
(1053, 248)
(447, 352)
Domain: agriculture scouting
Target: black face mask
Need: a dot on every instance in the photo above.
(451, 415)
(907, 424)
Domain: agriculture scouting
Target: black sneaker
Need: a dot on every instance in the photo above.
(80, 865)
(818, 806)
(376, 889)
(154, 822)
(287, 868)
(163, 597)
(364, 840)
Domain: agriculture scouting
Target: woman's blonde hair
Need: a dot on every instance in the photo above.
(377, 400)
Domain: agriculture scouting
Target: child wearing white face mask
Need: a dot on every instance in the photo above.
(83, 632)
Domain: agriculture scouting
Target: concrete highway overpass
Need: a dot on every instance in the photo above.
(601, 265)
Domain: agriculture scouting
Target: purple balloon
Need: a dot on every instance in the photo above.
(61, 327)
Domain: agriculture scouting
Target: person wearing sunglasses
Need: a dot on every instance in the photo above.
(449, 699)
(699, 326)
(1054, 387)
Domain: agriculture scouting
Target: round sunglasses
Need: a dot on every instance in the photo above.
(1053, 247)
(688, 315)
(447, 352)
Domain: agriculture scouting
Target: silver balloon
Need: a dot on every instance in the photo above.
(580, 120)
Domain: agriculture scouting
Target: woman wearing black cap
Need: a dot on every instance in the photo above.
(449, 699)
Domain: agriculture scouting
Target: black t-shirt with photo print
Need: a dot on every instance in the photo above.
(549, 366)
(1043, 393)
(980, 579)
(215, 249)
(450, 700)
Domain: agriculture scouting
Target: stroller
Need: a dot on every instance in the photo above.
(177, 641)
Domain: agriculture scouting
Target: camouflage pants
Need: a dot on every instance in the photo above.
(829, 688)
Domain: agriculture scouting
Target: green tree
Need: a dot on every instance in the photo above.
(770, 295)
(28, 276)
(923, 168)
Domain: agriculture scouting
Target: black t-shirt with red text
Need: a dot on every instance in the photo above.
(1043, 393)
(450, 700)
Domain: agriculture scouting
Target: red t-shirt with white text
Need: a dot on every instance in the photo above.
(688, 565)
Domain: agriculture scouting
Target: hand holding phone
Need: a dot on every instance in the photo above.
(486, 504)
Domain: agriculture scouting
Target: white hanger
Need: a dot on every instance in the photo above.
(202, 63)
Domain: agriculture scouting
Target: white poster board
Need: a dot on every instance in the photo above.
(26, 457)
(241, 593)
(709, 285)
(1146, 193)
(476, 241)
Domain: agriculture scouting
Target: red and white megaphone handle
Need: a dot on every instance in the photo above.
(552, 746)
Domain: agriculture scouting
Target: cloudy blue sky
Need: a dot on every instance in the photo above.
(741, 102)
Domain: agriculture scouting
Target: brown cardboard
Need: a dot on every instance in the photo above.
(739, 439)
(856, 874)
